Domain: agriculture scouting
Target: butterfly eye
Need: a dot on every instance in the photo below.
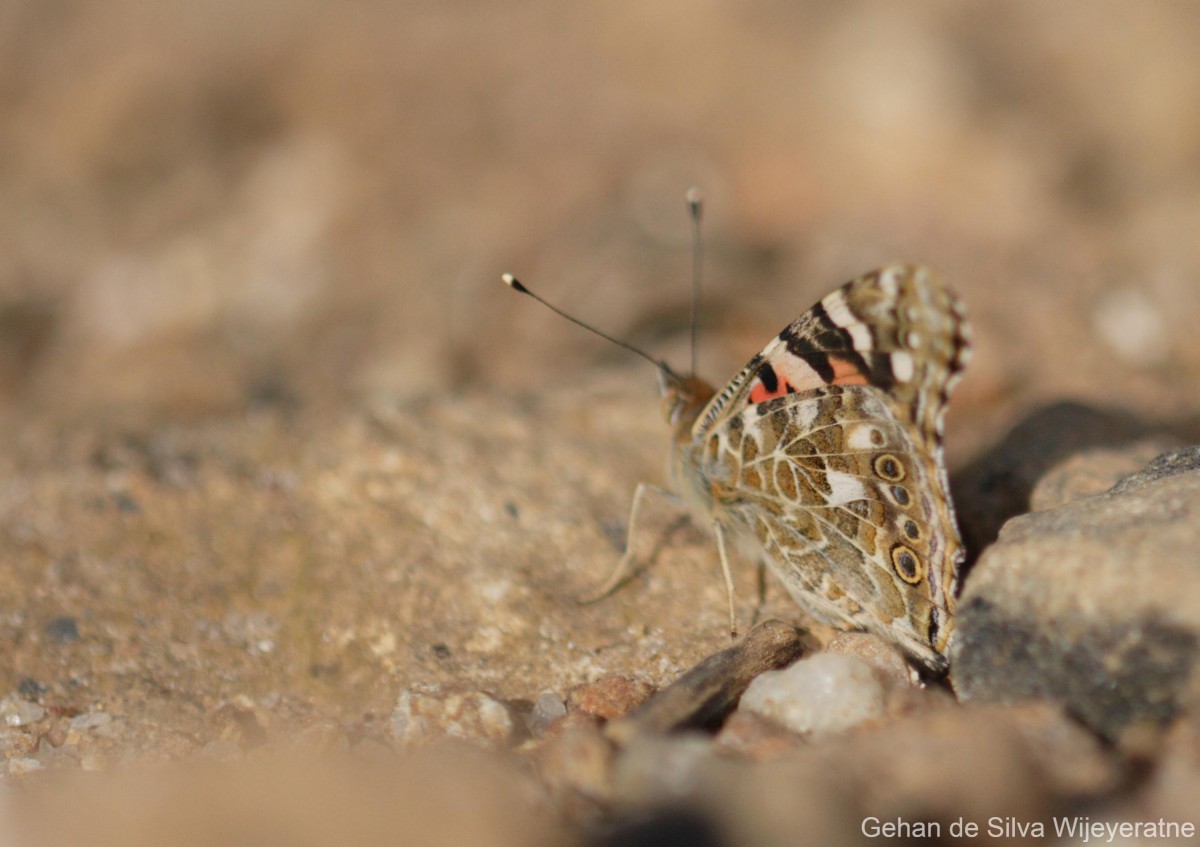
(907, 564)
(889, 467)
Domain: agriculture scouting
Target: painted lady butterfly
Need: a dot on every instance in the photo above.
(823, 457)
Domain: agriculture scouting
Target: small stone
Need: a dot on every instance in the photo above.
(611, 696)
(56, 735)
(16, 742)
(89, 721)
(548, 709)
(17, 712)
(63, 630)
(819, 695)
(19, 766)
(241, 721)
(426, 714)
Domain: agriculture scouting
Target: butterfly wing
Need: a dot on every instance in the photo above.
(825, 450)
(898, 329)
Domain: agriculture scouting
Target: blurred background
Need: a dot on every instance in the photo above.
(211, 205)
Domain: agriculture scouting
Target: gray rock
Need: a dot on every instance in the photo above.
(1095, 604)
(548, 709)
(1093, 471)
(1056, 454)
(1183, 460)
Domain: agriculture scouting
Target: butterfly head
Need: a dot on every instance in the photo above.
(683, 398)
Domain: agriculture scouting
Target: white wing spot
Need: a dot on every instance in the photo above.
(860, 335)
(902, 366)
(888, 283)
(913, 339)
(806, 414)
(839, 312)
(844, 488)
(859, 437)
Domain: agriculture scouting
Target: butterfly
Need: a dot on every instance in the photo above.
(823, 457)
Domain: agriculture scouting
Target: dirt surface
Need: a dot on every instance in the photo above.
(277, 445)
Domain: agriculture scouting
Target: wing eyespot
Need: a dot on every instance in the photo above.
(908, 564)
(889, 467)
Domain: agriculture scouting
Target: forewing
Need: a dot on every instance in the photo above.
(898, 329)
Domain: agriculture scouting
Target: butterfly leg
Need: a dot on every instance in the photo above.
(728, 574)
(762, 592)
(621, 571)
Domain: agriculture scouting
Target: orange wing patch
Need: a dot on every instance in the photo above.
(846, 373)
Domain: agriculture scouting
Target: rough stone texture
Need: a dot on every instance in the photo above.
(1095, 604)
(1055, 454)
(610, 697)
(1093, 471)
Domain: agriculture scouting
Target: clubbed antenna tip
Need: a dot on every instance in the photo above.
(515, 284)
(512, 282)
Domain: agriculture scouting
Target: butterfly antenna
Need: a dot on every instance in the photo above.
(515, 284)
(695, 210)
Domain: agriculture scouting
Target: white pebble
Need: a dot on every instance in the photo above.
(90, 720)
(821, 694)
(18, 712)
